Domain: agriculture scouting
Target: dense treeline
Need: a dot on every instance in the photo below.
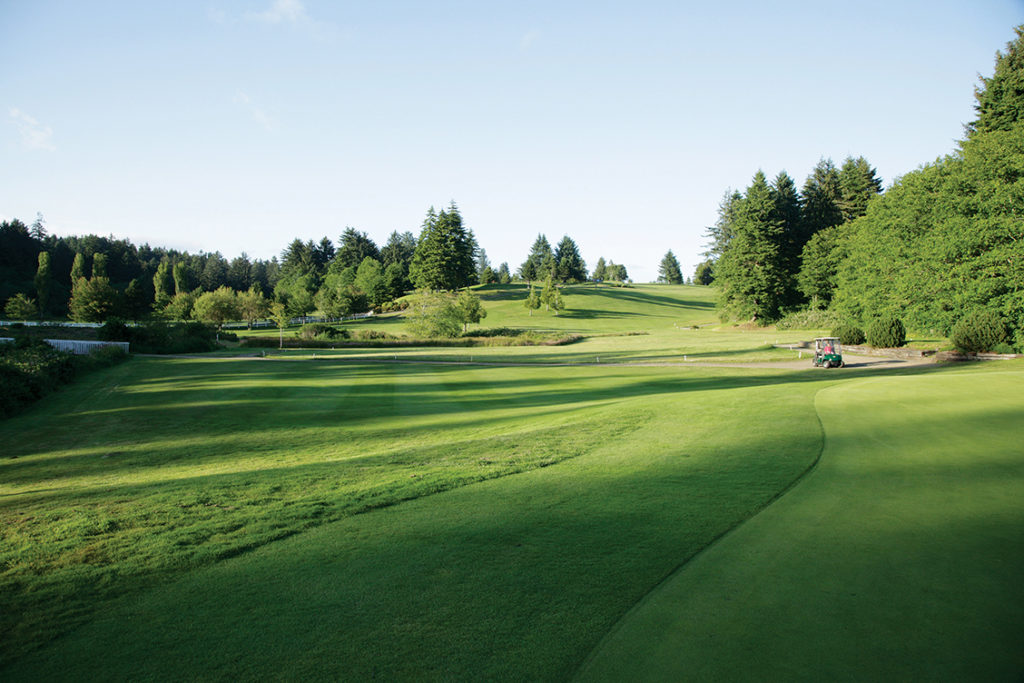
(943, 242)
(97, 278)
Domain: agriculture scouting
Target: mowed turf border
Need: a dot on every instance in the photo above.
(898, 558)
(516, 578)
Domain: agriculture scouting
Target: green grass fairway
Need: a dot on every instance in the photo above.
(518, 576)
(898, 558)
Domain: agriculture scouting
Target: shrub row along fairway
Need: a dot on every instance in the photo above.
(147, 481)
(898, 558)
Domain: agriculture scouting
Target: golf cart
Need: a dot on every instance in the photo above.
(828, 353)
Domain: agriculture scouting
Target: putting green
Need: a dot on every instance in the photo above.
(898, 558)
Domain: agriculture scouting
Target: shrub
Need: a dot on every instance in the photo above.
(811, 319)
(1003, 348)
(321, 332)
(886, 332)
(114, 329)
(848, 333)
(979, 331)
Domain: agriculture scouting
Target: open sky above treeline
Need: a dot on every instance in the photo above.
(233, 125)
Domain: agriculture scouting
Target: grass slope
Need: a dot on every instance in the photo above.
(517, 577)
(899, 558)
(640, 323)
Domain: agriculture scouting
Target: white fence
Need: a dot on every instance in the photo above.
(76, 346)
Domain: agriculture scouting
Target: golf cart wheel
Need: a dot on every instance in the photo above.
(827, 364)
(842, 364)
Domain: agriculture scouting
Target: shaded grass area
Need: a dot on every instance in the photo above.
(161, 466)
(511, 578)
(898, 558)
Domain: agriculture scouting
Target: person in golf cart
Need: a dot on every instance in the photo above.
(828, 353)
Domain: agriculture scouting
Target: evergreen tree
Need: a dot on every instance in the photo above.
(569, 265)
(184, 281)
(858, 183)
(44, 282)
(820, 266)
(787, 209)
(1000, 97)
(540, 254)
(20, 307)
(750, 273)
(504, 276)
(669, 271)
(821, 198)
(38, 231)
(78, 268)
(136, 299)
(400, 248)
(547, 294)
(483, 268)
(721, 232)
(599, 274)
(445, 252)
(215, 272)
(355, 246)
(532, 302)
(99, 265)
(163, 284)
(239, 275)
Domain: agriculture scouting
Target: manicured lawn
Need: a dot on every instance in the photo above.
(348, 518)
(898, 558)
(514, 577)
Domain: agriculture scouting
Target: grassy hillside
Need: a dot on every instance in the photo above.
(641, 323)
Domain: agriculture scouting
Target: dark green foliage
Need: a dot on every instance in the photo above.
(886, 332)
(808, 319)
(849, 334)
(163, 284)
(669, 271)
(161, 337)
(750, 274)
(445, 252)
(569, 265)
(1000, 98)
(858, 183)
(792, 238)
(504, 276)
(704, 273)
(31, 369)
(357, 246)
(819, 266)
(600, 273)
(321, 332)
(821, 199)
(44, 282)
(721, 232)
(93, 300)
(979, 331)
(537, 264)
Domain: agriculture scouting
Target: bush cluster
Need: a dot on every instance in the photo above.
(31, 369)
(980, 331)
(848, 333)
(811, 319)
(886, 332)
(320, 332)
(161, 337)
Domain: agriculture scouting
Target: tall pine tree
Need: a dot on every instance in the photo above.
(569, 265)
(669, 271)
(750, 273)
(445, 252)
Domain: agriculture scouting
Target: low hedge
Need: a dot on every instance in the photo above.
(30, 369)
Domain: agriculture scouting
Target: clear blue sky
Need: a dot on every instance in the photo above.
(234, 125)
